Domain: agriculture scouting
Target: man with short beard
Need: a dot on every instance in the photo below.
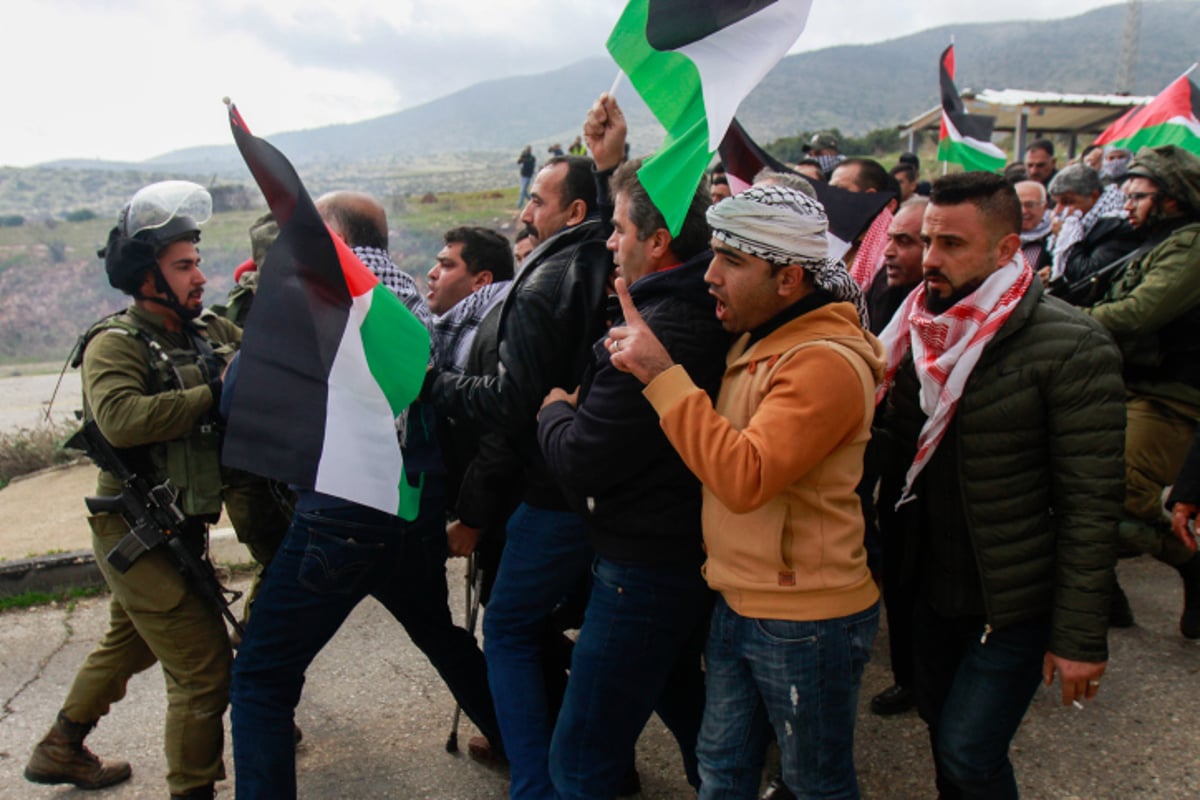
(1004, 415)
(1153, 311)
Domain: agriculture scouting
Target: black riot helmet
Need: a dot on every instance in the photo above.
(159, 214)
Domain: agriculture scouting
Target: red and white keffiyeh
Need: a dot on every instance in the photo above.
(945, 349)
(869, 257)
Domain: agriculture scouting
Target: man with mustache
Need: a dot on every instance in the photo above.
(780, 454)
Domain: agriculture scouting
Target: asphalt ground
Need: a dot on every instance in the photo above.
(376, 716)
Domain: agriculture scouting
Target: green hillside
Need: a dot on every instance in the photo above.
(52, 285)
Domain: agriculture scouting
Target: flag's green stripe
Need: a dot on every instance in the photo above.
(672, 174)
(969, 157)
(670, 85)
(668, 82)
(1166, 133)
(397, 348)
(410, 497)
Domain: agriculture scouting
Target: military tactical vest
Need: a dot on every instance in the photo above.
(192, 462)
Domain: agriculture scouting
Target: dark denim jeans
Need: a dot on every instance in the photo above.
(638, 652)
(799, 678)
(973, 696)
(546, 556)
(329, 561)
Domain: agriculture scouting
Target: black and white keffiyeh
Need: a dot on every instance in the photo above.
(455, 330)
(783, 226)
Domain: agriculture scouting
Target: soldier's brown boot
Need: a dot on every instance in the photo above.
(62, 758)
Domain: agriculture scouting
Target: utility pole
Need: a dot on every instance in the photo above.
(1131, 40)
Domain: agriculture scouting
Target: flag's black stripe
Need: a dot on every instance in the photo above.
(976, 126)
(277, 425)
(850, 213)
(672, 24)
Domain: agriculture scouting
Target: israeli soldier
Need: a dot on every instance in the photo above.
(151, 382)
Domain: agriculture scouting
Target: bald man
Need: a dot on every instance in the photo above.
(335, 553)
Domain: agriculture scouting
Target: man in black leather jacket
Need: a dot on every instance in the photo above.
(551, 317)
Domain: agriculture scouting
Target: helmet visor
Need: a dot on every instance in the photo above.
(159, 203)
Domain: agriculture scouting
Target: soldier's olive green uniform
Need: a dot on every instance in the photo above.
(129, 389)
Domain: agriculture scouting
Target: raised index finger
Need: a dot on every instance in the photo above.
(628, 309)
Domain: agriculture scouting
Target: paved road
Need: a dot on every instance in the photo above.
(24, 399)
(376, 717)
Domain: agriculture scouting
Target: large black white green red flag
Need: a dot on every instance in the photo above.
(964, 138)
(329, 360)
(849, 213)
(693, 62)
(1170, 118)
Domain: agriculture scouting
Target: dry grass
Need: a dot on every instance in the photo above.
(29, 449)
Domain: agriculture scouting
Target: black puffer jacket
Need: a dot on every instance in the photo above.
(1041, 440)
(640, 501)
(1108, 240)
(552, 314)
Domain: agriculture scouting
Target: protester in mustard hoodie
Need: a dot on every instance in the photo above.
(780, 456)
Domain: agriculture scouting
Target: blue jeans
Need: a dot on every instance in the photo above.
(973, 695)
(328, 562)
(799, 678)
(638, 652)
(546, 556)
(523, 195)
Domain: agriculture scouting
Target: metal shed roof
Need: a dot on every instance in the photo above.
(1020, 111)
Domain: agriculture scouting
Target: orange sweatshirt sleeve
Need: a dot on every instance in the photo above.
(813, 404)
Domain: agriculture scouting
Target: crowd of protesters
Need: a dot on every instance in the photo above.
(716, 453)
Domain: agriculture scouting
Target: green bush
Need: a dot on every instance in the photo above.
(30, 449)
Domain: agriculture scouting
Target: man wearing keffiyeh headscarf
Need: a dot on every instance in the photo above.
(1004, 422)
(780, 454)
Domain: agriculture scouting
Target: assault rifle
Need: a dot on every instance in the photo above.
(154, 520)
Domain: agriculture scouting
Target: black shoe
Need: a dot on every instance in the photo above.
(777, 791)
(893, 700)
(1120, 614)
(631, 784)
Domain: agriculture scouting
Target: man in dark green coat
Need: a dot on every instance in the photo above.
(1004, 429)
(1153, 311)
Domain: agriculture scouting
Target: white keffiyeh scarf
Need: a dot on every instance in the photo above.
(945, 349)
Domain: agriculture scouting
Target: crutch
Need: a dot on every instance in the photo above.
(474, 584)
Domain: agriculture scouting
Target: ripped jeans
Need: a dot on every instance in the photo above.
(798, 678)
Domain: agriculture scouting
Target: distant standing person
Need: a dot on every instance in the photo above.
(528, 165)
(577, 147)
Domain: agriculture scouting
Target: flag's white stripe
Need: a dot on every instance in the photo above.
(1191, 123)
(733, 60)
(837, 247)
(360, 457)
(975, 144)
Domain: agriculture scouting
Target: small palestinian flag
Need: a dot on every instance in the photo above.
(849, 213)
(1170, 118)
(965, 138)
(693, 62)
(329, 360)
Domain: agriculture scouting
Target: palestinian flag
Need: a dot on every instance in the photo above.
(850, 213)
(1170, 118)
(965, 138)
(693, 62)
(330, 357)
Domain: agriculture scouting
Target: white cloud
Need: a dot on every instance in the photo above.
(130, 79)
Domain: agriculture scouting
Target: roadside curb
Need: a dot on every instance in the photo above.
(59, 572)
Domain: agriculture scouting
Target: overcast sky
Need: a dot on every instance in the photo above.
(131, 79)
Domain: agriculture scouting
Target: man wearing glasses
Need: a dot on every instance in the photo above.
(1153, 312)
